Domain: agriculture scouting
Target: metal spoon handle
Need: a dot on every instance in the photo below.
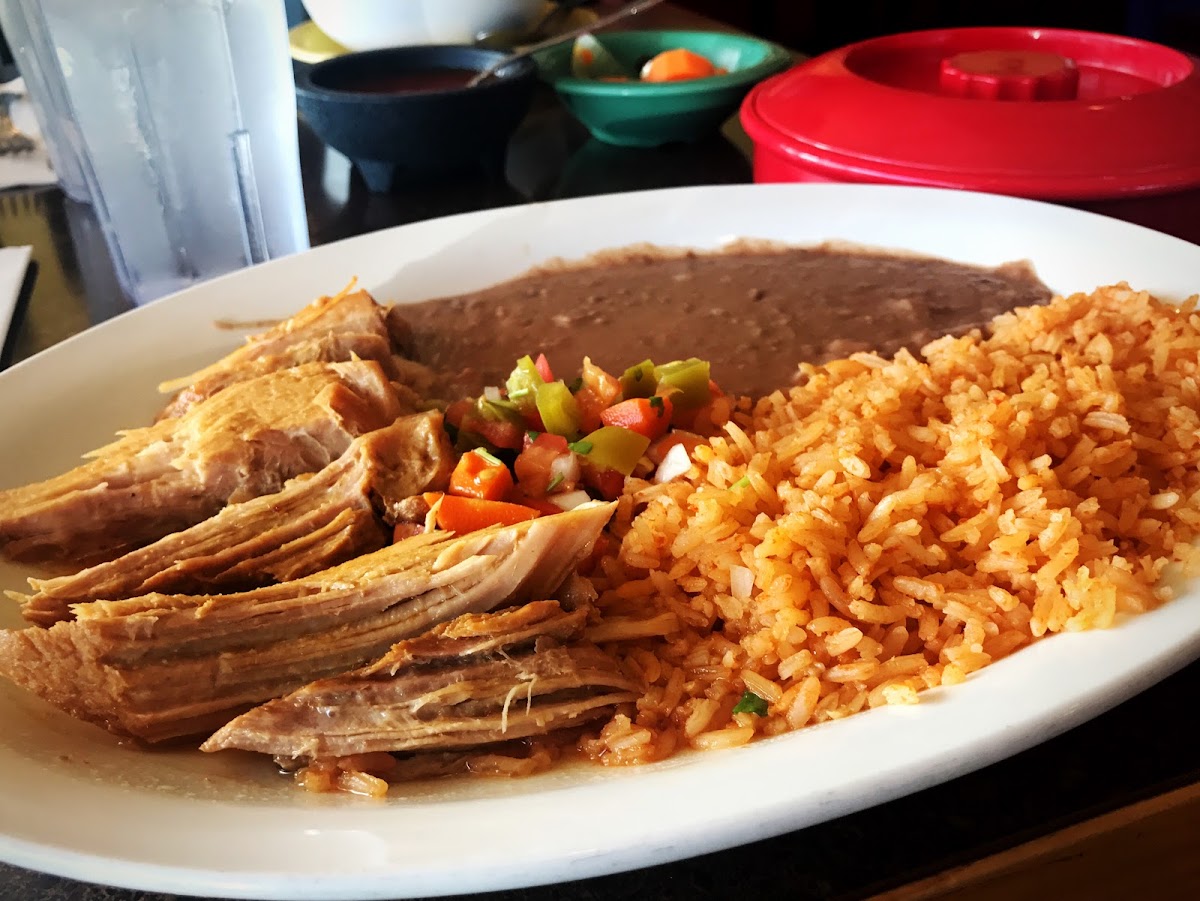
(630, 9)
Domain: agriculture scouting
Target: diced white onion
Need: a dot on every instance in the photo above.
(569, 500)
(565, 470)
(741, 581)
(492, 393)
(675, 463)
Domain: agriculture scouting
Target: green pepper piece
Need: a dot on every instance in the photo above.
(558, 409)
(639, 380)
(523, 384)
(615, 448)
(499, 410)
(689, 378)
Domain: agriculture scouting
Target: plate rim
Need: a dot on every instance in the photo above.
(132, 874)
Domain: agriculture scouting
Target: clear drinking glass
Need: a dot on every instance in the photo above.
(186, 117)
(46, 93)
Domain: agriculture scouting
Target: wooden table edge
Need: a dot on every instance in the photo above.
(1094, 859)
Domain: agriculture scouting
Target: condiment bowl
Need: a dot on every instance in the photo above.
(645, 114)
(394, 115)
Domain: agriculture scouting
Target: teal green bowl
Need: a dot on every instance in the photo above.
(641, 114)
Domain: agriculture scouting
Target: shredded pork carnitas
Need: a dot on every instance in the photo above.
(240, 443)
(166, 666)
(314, 522)
(477, 680)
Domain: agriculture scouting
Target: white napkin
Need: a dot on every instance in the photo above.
(14, 261)
(26, 169)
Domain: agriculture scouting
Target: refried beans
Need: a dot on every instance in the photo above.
(754, 312)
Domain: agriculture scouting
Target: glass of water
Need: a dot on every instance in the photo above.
(185, 116)
(46, 93)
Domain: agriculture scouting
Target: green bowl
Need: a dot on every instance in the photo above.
(640, 114)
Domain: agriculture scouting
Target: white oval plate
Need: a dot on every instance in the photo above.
(78, 804)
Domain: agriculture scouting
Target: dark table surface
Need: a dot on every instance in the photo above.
(1138, 750)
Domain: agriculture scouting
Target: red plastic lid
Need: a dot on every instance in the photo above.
(1033, 112)
(1009, 75)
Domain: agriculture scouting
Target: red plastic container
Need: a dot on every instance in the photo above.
(1096, 121)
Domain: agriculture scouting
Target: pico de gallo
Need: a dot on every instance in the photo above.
(540, 445)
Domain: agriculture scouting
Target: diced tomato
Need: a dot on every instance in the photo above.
(457, 410)
(687, 419)
(591, 407)
(608, 483)
(476, 476)
(597, 393)
(500, 433)
(605, 386)
(469, 514)
(699, 419)
(602, 546)
(648, 416)
(552, 442)
(533, 419)
(543, 368)
(536, 503)
(658, 450)
(535, 465)
(496, 426)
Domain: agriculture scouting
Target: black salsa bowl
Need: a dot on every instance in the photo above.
(404, 113)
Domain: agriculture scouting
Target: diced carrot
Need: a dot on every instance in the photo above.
(648, 416)
(468, 514)
(476, 476)
(677, 65)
